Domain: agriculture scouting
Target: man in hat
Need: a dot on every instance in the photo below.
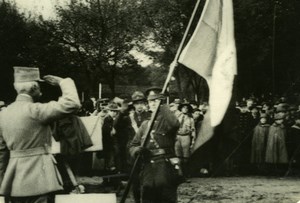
(186, 134)
(157, 176)
(100, 107)
(243, 136)
(30, 173)
(137, 117)
(140, 114)
(276, 152)
(109, 140)
(175, 105)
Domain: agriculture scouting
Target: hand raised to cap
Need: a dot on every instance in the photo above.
(52, 80)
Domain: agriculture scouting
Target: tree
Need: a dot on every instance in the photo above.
(264, 28)
(13, 35)
(99, 34)
(166, 22)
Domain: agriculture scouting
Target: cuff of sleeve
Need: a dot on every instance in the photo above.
(64, 81)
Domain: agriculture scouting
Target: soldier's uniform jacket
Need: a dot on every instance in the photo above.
(187, 125)
(163, 132)
(157, 171)
(25, 135)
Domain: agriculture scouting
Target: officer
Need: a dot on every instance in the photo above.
(158, 177)
(30, 174)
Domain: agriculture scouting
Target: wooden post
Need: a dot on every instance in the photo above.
(100, 90)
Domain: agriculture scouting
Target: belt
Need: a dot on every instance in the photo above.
(29, 152)
(160, 151)
(183, 134)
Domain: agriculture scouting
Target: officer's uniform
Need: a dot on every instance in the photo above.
(31, 173)
(158, 176)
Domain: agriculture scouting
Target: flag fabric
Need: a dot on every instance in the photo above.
(211, 53)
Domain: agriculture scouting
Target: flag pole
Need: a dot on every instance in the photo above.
(174, 63)
(154, 114)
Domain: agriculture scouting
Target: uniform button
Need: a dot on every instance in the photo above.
(151, 161)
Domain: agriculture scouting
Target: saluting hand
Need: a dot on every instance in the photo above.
(52, 80)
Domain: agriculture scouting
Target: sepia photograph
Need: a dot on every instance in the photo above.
(149, 101)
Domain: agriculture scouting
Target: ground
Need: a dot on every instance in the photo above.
(225, 189)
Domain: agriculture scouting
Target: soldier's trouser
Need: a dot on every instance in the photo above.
(48, 198)
(160, 195)
(136, 189)
(182, 146)
(158, 182)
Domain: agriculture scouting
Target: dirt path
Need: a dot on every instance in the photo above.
(225, 190)
(240, 189)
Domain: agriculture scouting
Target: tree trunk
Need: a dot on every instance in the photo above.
(111, 82)
(178, 82)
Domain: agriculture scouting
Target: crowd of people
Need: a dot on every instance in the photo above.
(268, 131)
(259, 136)
(264, 133)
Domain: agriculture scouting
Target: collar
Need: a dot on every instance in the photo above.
(264, 125)
(24, 97)
(278, 125)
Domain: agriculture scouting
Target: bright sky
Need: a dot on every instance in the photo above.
(46, 8)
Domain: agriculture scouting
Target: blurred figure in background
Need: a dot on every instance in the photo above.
(259, 142)
(109, 140)
(186, 134)
(276, 152)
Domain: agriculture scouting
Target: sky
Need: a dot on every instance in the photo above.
(46, 8)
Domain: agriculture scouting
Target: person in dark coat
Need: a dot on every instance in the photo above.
(259, 142)
(30, 174)
(198, 118)
(137, 117)
(244, 132)
(109, 140)
(158, 177)
(123, 131)
(276, 151)
(293, 143)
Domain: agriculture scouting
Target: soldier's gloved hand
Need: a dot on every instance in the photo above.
(140, 151)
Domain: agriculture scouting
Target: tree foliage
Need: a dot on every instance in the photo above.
(99, 34)
(91, 41)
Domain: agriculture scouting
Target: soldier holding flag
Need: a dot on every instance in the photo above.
(158, 176)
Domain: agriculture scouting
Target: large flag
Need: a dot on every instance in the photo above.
(211, 53)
